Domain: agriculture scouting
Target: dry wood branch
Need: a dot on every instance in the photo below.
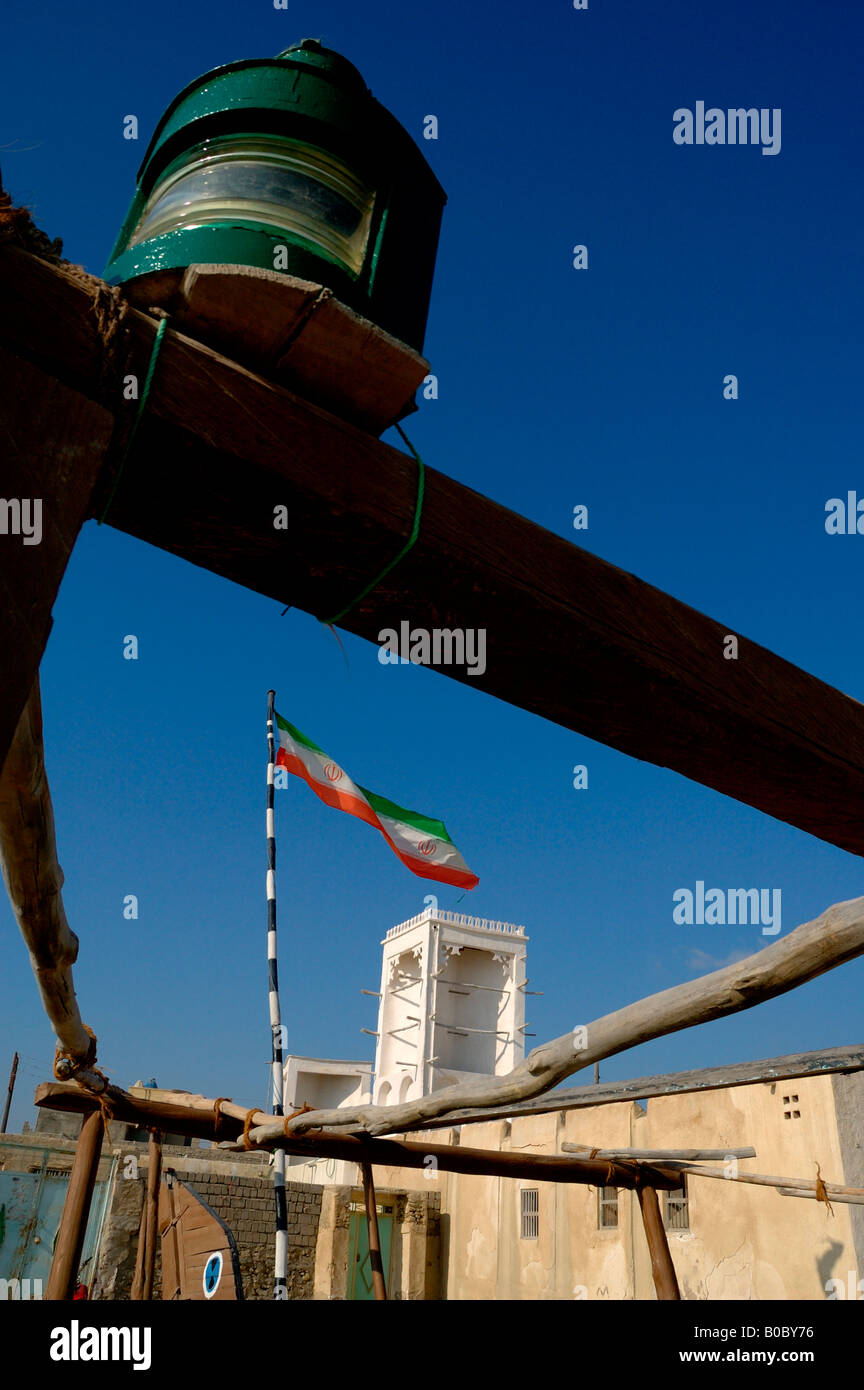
(803, 1186)
(834, 1196)
(810, 950)
(34, 879)
(661, 1155)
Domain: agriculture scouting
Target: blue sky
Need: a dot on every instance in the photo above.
(557, 387)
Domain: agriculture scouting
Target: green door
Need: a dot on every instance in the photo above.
(359, 1268)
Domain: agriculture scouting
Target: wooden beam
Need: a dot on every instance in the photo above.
(792, 1067)
(198, 1120)
(661, 1155)
(568, 636)
(52, 443)
(662, 1268)
(803, 1186)
(194, 1115)
(76, 1210)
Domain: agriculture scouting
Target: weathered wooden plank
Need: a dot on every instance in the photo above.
(789, 1068)
(52, 443)
(661, 1155)
(568, 636)
(294, 332)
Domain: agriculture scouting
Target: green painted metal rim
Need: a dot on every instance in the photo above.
(215, 243)
(277, 87)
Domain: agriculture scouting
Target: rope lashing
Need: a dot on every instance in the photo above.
(107, 1111)
(217, 1115)
(409, 544)
(66, 1063)
(142, 403)
(247, 1125)
(821, 1191)
(294, 1113)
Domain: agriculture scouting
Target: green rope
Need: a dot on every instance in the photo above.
(148, 380)
(415, 530)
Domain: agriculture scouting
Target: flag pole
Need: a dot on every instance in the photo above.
(280, 1269)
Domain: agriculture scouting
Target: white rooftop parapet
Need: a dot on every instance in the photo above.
(456, 919)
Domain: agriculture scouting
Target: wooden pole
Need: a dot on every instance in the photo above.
(662, 1268)
(145, 1260)
(378, 1283)
(661, 1155)
(34, 881)
(76, 1210)
(12, 1076)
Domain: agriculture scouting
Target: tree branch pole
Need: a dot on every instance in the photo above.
(662, 1268)
(660, 1155)
(76, 1210)
(810, 950)
(378, 1282)
(34, 879)
(805, 1186)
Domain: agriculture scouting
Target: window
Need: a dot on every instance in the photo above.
(677, 1217)
(791, 1114)
(529, 1199)
(607, 1208)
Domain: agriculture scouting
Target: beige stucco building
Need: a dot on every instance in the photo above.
(497, 1240)
(455, 989)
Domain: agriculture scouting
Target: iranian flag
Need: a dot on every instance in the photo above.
(420, 842)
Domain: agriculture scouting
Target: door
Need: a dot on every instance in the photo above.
(359, 1267)
(31, 1205)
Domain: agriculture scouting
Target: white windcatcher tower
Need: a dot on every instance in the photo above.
(452, 1003)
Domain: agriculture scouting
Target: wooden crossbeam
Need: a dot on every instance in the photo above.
(181, 1117)
(790, 1068)
(568, 636)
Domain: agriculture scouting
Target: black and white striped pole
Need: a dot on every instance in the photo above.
(280, 1280)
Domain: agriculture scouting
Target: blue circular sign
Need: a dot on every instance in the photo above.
(212, 1274)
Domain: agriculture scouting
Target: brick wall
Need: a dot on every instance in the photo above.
(245, 1204)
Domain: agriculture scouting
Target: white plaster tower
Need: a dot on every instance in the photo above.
(452, 1003)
